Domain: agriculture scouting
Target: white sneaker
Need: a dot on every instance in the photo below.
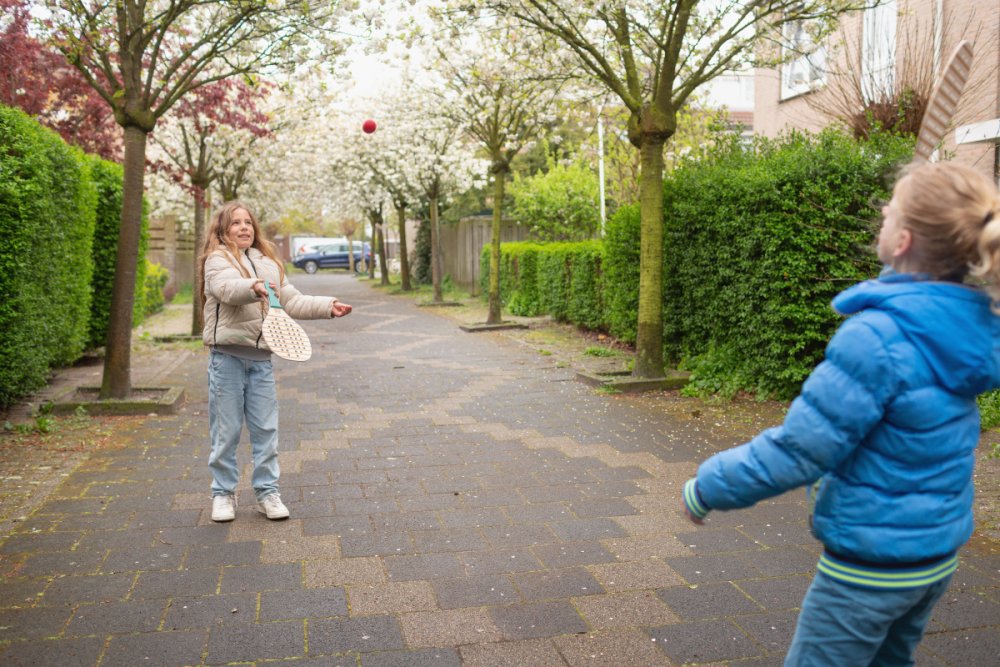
(272, 507)
(223, 508)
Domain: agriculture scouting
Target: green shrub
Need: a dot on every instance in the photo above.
(156, 279)
(108, 178)
(47, 205)
(758, 240)
(621, 272)
(560, 204)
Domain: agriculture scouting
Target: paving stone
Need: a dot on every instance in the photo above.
(364, 634)
(33, 623)
(975, 646)
(569, 554)
(528, 653)
(708, 601)
(145, 558)
(508, 537)
(75, 652)
(391, 598)
(310, 603)
(237, 553)
(376, 543)
(160, 519)
(550, 493)
(602, 507)
(447, 540)
(611, 649)
(116, 618)
(88, 588)
(190, 613)
(473, 518)
(433, 566)
(477, 591)
(718, 541)
(402, 522)
(648, 574)
(773, 631)
(88, 522)
(161, 649)
(957, 610)
(704, 569)
(537, 619)
(337, 525)
(179, 583)
(704, 641)
(255, 641)
(22, 593)
(779, 535)
(646, 546)
(325, 574)
(622, 610)
(450, 627)
(117, 539)
(427, 657)
(271, 577)
(349, 659)
(550, 584)
(494, 561)
(780, 593)
(321, 547)
(58, 563)
(586, 529)
(782, 561)
(37, 543)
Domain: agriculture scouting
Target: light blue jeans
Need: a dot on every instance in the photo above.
(842, 625)
(242, 390)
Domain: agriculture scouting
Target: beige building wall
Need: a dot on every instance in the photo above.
(974, 20)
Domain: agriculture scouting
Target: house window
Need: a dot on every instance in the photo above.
(806, 68)
(878, 52)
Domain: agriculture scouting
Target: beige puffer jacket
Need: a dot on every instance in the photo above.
(234, 314)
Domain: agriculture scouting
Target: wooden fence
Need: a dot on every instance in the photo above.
(462, 243)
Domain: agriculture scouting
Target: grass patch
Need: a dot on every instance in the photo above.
(184, 295)
(598, 351)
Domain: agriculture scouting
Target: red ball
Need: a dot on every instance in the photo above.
(368, 126)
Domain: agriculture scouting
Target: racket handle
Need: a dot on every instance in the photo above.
(271, 296)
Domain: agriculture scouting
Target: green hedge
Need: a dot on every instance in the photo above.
(108, 178)
(758, 241)
(564, 280)
(59, 220)
(47, 210)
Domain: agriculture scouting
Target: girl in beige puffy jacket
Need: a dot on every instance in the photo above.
(236, 262)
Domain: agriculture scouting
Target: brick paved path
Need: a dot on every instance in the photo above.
(453, 501)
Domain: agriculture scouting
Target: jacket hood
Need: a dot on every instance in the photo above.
(950, 324)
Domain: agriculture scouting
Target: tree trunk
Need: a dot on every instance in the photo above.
(404, 260)
(197, 298)
(494, 294)
(649, 334)
(435, 251)
(383, 268)
(374, 248)
(350, 253)
(117, 380)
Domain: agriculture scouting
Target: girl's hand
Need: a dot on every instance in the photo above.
(338, 309)
(259, 289)
(691, 517)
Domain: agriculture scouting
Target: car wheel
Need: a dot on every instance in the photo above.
(310, 267)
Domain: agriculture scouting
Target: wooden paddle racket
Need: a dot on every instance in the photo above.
(943, 101)
(283, 334)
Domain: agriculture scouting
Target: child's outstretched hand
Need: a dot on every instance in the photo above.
(338, 309)
(691, 517)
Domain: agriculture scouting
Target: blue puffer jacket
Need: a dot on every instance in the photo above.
(887, 424)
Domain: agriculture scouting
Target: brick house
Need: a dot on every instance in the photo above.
(884, 49)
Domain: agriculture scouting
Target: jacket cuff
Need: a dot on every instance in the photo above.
(692, 499)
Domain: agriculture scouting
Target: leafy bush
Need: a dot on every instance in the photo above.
(758, 242)
(156, 280)
(558, 205)
(47, 205)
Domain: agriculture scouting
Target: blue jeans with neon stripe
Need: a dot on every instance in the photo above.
(848, 626)
(242, 390)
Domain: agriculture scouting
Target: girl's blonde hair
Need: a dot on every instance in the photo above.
(952, 212)
(217, 238)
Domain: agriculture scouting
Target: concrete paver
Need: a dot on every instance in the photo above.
(454, 500)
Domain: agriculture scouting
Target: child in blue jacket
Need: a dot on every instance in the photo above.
(886, 427)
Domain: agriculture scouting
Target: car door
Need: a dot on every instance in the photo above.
(327, 256)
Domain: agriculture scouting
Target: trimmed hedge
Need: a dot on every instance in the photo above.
(760, 240)
(108, 177)
(59, 218)
(47, 210)
(564, 280)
